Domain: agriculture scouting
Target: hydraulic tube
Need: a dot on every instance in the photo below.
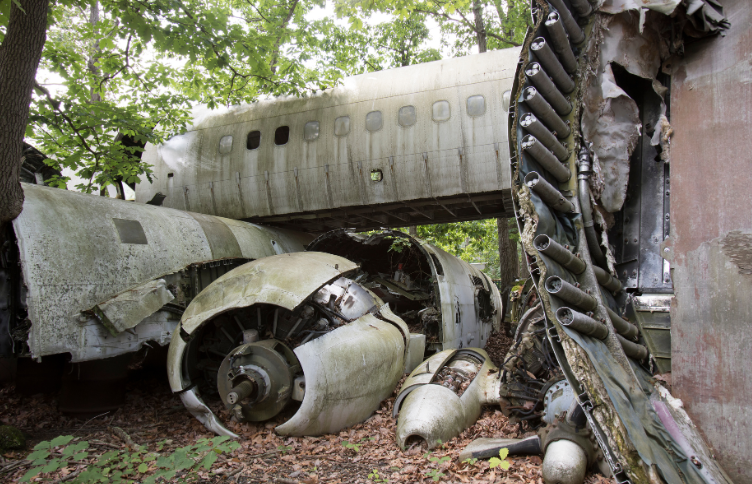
(633, 350)
(546, 159)
(575, 32)
(606, 280)
(622, 326)
(587, 210)
(570, 294)
(545, 112)
(533, 126)
(546, 87)
(553, 67)
(560, 42)
(581, 323)
(548, 193)
(546, 245)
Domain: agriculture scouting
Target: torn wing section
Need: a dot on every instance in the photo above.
(99, 277)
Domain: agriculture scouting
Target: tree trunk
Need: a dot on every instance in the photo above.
(507, 255)
(480, 27)
(413, 231)
(95, 51)
(19, 58)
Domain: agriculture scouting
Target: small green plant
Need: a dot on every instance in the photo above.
(121, 466)
(284, 449)
(436, 474)
(375, 477)
(471, 461)
(350, 446)
(501, 461)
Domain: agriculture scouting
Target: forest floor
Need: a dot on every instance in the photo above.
(152, 416)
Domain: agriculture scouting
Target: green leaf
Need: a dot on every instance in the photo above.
(62, 440)
(143, 468)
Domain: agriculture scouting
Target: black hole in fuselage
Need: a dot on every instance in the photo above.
(282, 135)
(254, 140)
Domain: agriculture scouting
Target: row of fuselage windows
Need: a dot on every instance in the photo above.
(406, 117)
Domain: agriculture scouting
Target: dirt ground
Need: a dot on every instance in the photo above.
(152, 414)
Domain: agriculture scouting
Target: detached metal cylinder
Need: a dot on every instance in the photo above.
(606, 280)
(540, 79)
(545, 112)
(560, 42)
(581, 323)
(536, 128)
(554, 68)
(545, 158)
(546, 245)
(568, 293)
(622, 326)
(574, 30)
(550, 195)
(633, 350)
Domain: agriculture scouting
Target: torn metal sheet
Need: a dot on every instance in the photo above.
(284, 281)
(454, 304)
(610, 120)
(79, 251)
(129, 308)
(666, 7)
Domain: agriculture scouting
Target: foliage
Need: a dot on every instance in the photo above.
(375, 477)
(284, 449)
(115, 466)
(500, 461)
(435, 473)
(351, 446)
(472, 241)
(130, 72)
(502, 22)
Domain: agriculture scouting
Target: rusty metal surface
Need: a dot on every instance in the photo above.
(446, 169)
(711, 238)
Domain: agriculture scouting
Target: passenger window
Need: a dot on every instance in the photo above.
(476, 106)
(225, 145)
(282, 135)
(441, 111)
(311, 130)
(342, 126)
(253, 141)
(407, 116)
(374, 121)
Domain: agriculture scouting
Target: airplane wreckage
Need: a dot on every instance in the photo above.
(263, 317)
